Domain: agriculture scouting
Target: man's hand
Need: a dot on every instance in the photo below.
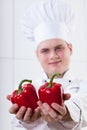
(24, 114)
(56, 112)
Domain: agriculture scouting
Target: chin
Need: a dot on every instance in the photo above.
(54, 72)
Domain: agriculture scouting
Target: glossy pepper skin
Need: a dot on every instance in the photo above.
(51, 92)
(25, 95)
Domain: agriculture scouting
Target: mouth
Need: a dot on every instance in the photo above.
(54, 63)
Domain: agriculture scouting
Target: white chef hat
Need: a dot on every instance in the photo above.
(47, 20)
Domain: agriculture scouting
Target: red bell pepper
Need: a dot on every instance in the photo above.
(51, 92)
(25, 95)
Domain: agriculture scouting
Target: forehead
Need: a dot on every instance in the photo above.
(51, 43)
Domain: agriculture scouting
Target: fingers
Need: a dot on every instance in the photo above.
(45, 113)
(8, 97)
(60, 109)
(25, 114)
(42, 107)
(48, 113)
(20, 113)
(56, 112)
(47, 118)
(14, 108)
(66, 96)
(49, 110)
(36, 115)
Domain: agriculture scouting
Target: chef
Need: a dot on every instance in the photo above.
(49, 25)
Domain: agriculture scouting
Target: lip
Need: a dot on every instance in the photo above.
(54, 63)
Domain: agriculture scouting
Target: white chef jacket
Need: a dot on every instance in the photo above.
(77, 105)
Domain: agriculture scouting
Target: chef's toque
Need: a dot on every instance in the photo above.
(48, 19)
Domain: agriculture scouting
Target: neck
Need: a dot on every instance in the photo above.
(60, 76)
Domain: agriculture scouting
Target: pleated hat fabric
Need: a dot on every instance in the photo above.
(48, 19)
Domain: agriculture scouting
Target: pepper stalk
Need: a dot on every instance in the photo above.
(20, 89)
(52, 78)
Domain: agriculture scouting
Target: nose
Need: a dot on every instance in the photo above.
(53, 55)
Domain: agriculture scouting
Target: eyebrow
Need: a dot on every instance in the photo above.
(43, 49)
(60, 45)
(46, 48)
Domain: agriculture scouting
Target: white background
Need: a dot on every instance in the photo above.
(17, 58)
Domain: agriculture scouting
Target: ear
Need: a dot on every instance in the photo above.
(36, 54)
(70, 48)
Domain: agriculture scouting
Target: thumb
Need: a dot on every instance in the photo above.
(66, 96)
(8, 97)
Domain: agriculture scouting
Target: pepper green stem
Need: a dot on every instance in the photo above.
(51, 80)
(20, 85)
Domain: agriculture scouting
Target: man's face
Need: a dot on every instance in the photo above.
(54, 56)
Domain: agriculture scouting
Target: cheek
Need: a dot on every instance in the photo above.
(43, 60)
(61, 55)
(66, 58)
(66, 54)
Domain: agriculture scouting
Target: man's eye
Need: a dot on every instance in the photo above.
(59, 48)
(44, 50)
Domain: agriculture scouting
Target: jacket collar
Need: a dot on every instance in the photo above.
(67, 75)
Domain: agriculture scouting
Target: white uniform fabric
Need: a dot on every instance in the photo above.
(77, 106)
